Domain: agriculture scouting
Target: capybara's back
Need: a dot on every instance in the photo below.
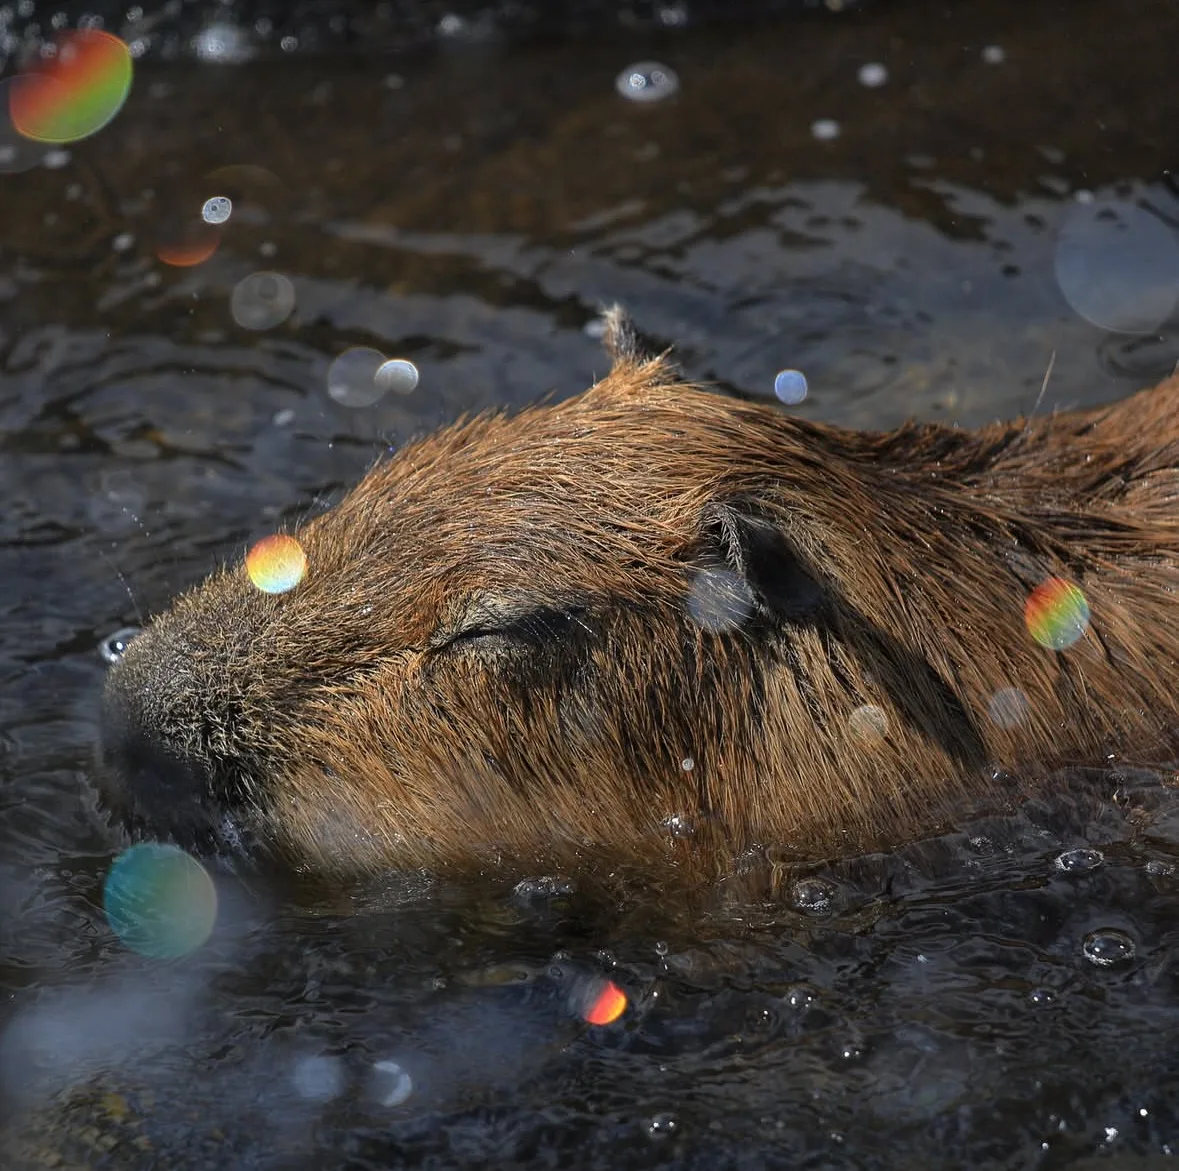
(655, 625)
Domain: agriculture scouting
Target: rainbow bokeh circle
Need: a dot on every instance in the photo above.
(75, 92)
(1056, 613)
(276, 564)
(159, 901)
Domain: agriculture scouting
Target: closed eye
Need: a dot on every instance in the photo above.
(535, 628)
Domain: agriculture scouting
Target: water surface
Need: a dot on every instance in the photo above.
(1000, 203)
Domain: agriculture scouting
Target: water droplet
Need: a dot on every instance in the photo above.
(872, 75)
(262, 300)
(1080, 860)
(813, 896)
(217, 209)
(679, 826)
(352, 377)
(398, 375)
(1042, 997)
(687, 764)
(647, 81)
(719, 600)
(114, 646)
(790, 387)
(825, 129)
(544, 886)
(1108, 947)
(661, 948)
(994, 55)
(284, 418)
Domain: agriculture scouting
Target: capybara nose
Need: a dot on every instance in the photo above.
(149, 776)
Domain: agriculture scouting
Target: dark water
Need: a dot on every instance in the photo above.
(990, 210)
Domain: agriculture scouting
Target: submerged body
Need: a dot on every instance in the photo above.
(652, 622)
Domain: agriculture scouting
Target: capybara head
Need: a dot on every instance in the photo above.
(652, 622)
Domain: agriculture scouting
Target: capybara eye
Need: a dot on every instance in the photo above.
(497, 628)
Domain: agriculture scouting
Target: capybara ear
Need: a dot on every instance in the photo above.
(630, 352)
(740, 536)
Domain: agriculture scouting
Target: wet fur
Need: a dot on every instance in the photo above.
(491, 656)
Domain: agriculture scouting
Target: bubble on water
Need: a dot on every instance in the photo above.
(1108, 947)
(54, 160)
(1056, 613)
(394, 1085)
(1118, 266)
(868, 723)
(994, 55)
(276, 564)
(1159, 869)
(544, 886)
(790, 387)
(647, 81)
(114, 646)
(159, 901)
(262, 300)
(872, 75)
(825, 129)
(852, 1050)
(318, 1078)
(662, 1125)
(1079, 860)
(1008, 707)
(75, 92)
(1041, 997)
(217, 209)
(719, 600)
(352, 377)
(123, 242)
(661, 947)
(398, 375)
(813, 896)
(284, 418)
(800, 997)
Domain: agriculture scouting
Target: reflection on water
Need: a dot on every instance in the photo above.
(217, 310)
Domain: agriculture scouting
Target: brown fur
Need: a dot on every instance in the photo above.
(491, 654)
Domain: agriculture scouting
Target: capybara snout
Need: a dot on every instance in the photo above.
(652, 623)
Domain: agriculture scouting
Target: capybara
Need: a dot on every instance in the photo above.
(656, 625)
